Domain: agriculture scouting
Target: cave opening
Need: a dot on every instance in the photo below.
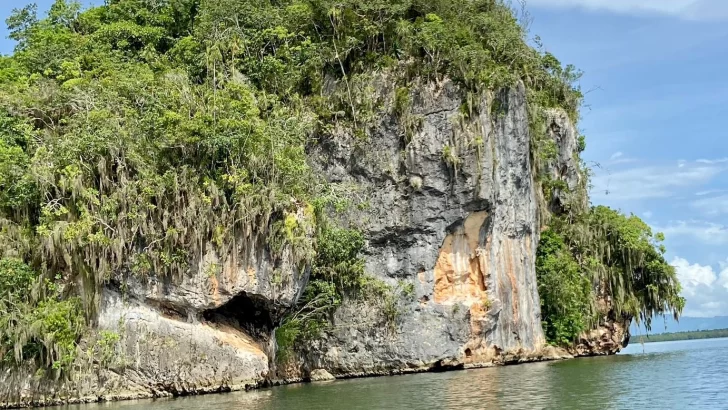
(251, 313)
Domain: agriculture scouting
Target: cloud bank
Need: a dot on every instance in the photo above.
(711, 206)
(653, 181)
(705, 289)
(706, 233)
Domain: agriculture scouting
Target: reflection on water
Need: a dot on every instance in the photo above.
(671, 375)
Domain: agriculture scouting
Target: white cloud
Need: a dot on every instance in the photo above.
(709, 192)
(619, 158)
(647, 214)
(624, 160)
(685, 9)
(692, 276)
(706, 232)
(712, 161)
(653, 181)
(705, 290)
(707, 10)
(712, 206)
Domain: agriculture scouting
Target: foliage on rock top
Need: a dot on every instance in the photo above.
(137, 133)
(603, 254)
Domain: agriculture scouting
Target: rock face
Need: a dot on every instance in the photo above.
(607, 339)
(453, 214)
(612, 332)
(444, 192)
(609, 336)
(565, 166)
(208, 332)
(321, 375)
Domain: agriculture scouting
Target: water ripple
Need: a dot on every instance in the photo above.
(672, 375)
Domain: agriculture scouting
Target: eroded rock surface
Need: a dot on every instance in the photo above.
(321, 375)
(210, 331)
(449, 210)
(452, 212)
(610, 335)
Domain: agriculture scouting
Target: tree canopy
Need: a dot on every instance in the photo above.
(605, 255)
(135, 134)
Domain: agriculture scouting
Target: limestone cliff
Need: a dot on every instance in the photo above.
(611, 332)
(462, 229)
(452, 210)
(208, 332)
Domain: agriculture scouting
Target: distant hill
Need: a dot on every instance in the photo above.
(686, 324)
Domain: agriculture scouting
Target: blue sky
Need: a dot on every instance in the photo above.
(654, 121)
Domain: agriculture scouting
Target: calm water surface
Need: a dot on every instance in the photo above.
(671, 375)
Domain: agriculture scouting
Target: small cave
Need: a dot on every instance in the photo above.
(446, 366)
(250, 313)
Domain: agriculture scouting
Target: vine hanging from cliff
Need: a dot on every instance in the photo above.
(598, 256)
(138, 135)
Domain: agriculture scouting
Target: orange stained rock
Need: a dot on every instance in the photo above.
(510, 271)
(459, 270)
(214, 289)
(234, 337)
(252, 276)
(477, 314)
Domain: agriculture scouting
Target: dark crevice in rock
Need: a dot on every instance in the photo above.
(432, 191)
(402, 236)
(453, 227)
(253, 314)
(169, 311)
(481, 205)
(446, 365)
(442, 111)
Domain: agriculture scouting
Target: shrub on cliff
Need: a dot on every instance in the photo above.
(37, 325)
(135, 133)
(567, 300)
(602, 254)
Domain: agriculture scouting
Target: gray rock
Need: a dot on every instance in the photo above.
(460, 224)
(565, 167)
(210, 331)
(215, 281)
(452, 213)
(321, 375)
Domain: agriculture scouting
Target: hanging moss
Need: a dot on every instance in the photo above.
(136, 135)
(601, 254)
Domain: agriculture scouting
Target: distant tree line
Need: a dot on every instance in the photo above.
(690, 335)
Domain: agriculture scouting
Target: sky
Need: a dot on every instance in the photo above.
(656, 98)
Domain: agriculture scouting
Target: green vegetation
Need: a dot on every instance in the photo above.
(37, 323)
(337, 273)
(567, 302)
(135, 134)
(688, 335)
(602, 253)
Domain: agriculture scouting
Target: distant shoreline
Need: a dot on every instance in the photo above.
(688, 335)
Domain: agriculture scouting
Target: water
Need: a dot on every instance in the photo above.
(669, 375)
